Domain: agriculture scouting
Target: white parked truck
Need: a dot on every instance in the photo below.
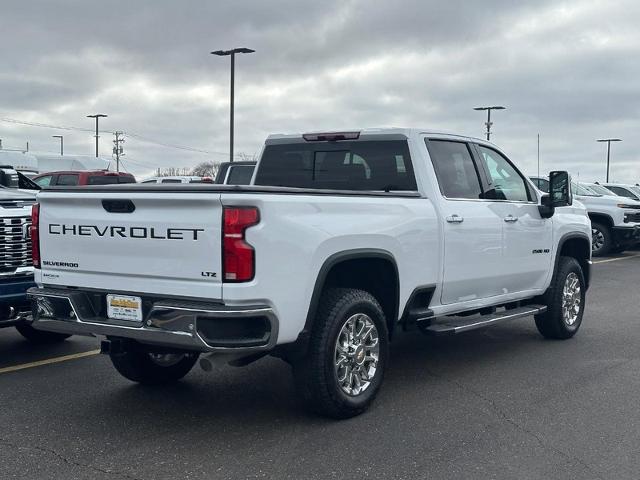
(615, 220)
(342, 239)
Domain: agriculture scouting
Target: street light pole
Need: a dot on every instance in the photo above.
(61, 143)
(488, 123)
(232, 54)
(97, 116)
(608, 141)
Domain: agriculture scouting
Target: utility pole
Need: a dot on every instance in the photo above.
(488, 123)
(538, 155)
(61, 143)
(117, 148)
(608, 141)
(232, 53)
(97, 116)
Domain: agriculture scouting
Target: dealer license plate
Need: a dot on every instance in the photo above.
(123, 307)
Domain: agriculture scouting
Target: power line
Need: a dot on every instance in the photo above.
(170, 145)
(142, 138)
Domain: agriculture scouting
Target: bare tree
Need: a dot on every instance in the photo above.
(245, 157)
(205, 169)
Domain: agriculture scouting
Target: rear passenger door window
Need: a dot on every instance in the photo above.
(506, 182)
(67, 179)
(455, 169)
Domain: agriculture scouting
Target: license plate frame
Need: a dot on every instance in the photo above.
(127, 308)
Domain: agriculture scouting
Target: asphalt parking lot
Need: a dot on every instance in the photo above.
(498, 403)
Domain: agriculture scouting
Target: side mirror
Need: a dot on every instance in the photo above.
(545, 208)
(560, 189)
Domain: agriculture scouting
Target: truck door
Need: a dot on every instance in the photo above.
(472, 229)
(527, 251)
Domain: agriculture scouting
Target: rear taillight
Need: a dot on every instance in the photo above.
(238, 257)
(34, 233)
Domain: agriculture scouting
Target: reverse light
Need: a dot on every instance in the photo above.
(34, 233)
(238, 257)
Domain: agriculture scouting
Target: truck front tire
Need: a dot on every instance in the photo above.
(343, 369)
(149, 368)
(601, 239)
(38, 336)
(565, 301)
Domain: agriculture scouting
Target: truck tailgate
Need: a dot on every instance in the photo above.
(149, 242)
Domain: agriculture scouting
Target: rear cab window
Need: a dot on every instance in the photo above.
(363, 165)
(239, 175)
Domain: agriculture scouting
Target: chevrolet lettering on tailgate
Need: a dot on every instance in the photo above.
(125, 232)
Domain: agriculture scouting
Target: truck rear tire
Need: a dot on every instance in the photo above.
(149, 368)
(565, 301)
(343, 369)
(601, 239)
(38, 336)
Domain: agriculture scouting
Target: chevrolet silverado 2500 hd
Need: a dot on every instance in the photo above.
(342, 239)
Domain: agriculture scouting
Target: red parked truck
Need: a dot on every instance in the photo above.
(87, 177)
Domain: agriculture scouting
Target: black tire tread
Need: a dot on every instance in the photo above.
(608, 239)
(137, 366)
(310, 374)
(550, 324)
(40, 337)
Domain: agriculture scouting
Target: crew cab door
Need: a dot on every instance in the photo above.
(472, 229)
(527, 237)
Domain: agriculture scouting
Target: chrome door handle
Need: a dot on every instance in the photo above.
(510, 218)
(455, 219)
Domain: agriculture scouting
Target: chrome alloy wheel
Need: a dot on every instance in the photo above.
(571, 299)
(356, 354)
(166, 359)
(597, 239)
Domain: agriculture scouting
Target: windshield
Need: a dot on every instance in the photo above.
(582, 189)
(600, 189)
(636, 189)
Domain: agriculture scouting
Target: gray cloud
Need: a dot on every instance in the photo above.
(565, 70)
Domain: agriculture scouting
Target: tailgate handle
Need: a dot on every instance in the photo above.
(118, 206)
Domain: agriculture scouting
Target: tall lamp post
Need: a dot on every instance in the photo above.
(608, 140)
(232, 54)
(61, 143)
(97, 116)
(488, 122)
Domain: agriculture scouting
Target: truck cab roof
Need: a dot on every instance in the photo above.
(382, 131)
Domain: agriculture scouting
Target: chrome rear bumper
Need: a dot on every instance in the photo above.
(176, 324)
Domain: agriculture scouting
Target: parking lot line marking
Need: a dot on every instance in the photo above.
(616, 259)
(48, 361)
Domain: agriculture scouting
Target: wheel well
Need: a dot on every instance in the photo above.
(580, 249)
(601, 218)
(370, 270)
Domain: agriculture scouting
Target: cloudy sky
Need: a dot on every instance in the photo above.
(569, 71)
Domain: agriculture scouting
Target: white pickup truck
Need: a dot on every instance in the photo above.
(341, 240)
(615, 220)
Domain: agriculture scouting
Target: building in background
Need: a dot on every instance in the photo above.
(44, 162)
